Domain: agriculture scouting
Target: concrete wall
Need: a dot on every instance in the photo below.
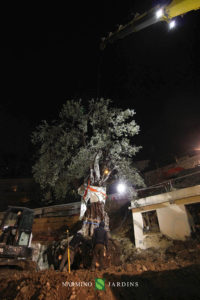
(172, 216)
(145, 241)
(167, 197)
(138, 230)
(173, 222)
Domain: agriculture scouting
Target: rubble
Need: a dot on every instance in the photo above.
(129, 273)
(156, 274)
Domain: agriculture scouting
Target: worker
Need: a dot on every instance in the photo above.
(74, 244)
(100, 242)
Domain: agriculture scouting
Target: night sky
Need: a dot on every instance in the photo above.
(51, 54)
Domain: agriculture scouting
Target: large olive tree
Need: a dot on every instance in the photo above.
(87, 141)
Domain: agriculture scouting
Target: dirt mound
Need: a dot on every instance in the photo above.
(51, 285)
(145, 278)
(151, 274)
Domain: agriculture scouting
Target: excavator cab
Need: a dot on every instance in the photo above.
(16, 236)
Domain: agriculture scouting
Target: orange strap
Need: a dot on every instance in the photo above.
(92, 190)
(85, 194)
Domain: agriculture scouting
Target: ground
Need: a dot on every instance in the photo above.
(170, 274)
(152, 274)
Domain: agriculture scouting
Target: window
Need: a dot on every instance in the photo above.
(150, 222)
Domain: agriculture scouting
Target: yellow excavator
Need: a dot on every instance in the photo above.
(167, 13)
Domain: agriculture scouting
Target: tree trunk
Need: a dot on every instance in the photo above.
(93, 200)
(94, 214)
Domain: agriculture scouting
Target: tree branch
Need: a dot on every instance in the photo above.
(105, 178)
(96, 167)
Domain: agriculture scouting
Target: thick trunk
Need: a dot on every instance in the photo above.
(94, 214)
(93, 200)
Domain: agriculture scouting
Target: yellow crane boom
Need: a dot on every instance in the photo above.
(160, 13)
(181, 7)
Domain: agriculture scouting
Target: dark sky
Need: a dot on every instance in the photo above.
(51, 54)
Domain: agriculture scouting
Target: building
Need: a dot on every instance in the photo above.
(188, 161)
(159, 219)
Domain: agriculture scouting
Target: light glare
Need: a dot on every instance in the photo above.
(106, 171)
(172, 24)
(159, 13)
(121, 188)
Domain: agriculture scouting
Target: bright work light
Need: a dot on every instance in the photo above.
(159, 13)
(121, 188)
(172, 24)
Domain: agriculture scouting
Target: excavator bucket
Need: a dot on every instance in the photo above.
(26, 265)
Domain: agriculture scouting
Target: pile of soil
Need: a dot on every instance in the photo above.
(153, 274)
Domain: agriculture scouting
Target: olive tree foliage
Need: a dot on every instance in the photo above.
(84, 141)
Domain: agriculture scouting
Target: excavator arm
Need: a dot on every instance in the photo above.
(160, 13)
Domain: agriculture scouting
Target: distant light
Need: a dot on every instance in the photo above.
(159, 13)
(172, 24)
(106, 171)
(121, 188)
(14, 188)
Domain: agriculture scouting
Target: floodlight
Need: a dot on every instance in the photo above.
(121, 188)
(159, 13)
(172, 24)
